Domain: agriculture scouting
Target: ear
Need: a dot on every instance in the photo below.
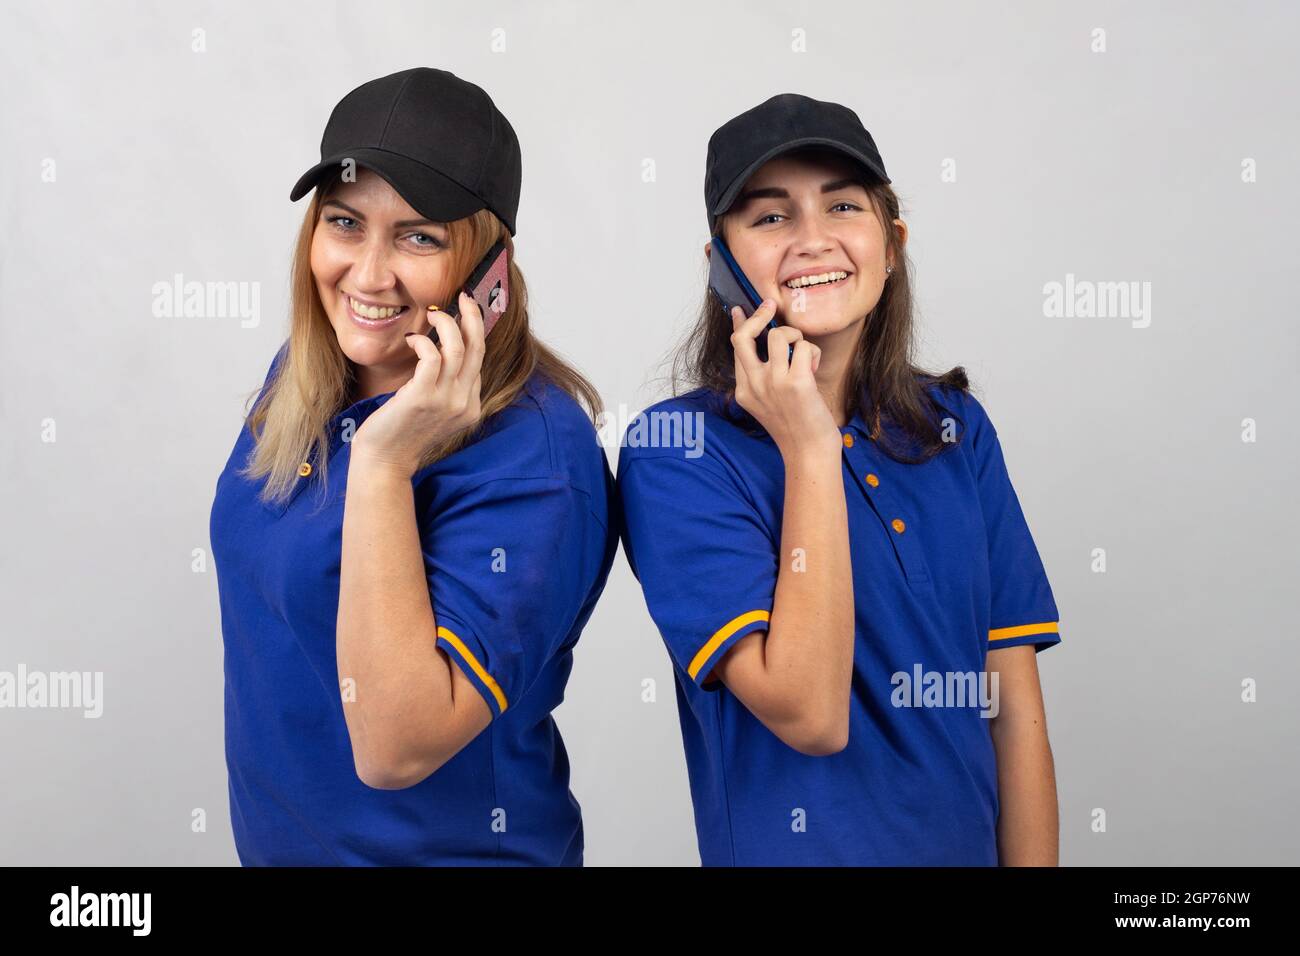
(708, 249)
(900, 227)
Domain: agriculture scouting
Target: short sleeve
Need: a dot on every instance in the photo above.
(702, 554)
(1023, 610)
(510, 566)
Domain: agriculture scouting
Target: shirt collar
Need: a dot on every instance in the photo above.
(357, 413)
(364, 407)
(358, 410)
(858, 424)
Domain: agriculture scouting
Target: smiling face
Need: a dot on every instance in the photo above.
(806, 234)
(377, 264)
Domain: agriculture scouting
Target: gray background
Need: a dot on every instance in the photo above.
(1115, 166)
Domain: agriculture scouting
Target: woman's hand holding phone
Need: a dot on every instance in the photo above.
(782, 392)
(440, 399)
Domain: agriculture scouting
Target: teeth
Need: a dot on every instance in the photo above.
(803, 281)
(372, 312)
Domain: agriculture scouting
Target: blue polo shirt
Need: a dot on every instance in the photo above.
(944, 569)
(517, 542)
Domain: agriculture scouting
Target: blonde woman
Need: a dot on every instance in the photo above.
(413, 526)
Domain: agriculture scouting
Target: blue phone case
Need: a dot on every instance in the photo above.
(733, 288)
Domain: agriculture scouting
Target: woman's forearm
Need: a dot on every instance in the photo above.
(1028, 824)
(396, 686)
(809, 646)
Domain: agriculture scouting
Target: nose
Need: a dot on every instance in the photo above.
(812, 238)
(371, 272)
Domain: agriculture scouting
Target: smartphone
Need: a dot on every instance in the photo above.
(489, 286)
(730, 284)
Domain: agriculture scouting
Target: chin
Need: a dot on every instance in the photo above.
(819, 323)
(362, 349)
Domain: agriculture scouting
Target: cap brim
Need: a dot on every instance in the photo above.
(427, 191)
(733, 189)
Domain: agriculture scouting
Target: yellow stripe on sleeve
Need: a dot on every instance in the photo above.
(720, 636)
(475, 666)
(1024, 630)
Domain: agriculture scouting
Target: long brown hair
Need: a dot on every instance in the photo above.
(883, 382)
(315, 380)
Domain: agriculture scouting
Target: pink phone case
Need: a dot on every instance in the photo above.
(490, 287)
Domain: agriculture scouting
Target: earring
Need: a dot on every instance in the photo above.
(888, 270)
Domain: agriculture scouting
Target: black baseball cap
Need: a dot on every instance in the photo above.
(438, 140)
(787, 121)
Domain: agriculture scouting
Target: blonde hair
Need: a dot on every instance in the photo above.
(314, 381)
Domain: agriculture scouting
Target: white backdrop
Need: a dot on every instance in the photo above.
(1151, 145)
